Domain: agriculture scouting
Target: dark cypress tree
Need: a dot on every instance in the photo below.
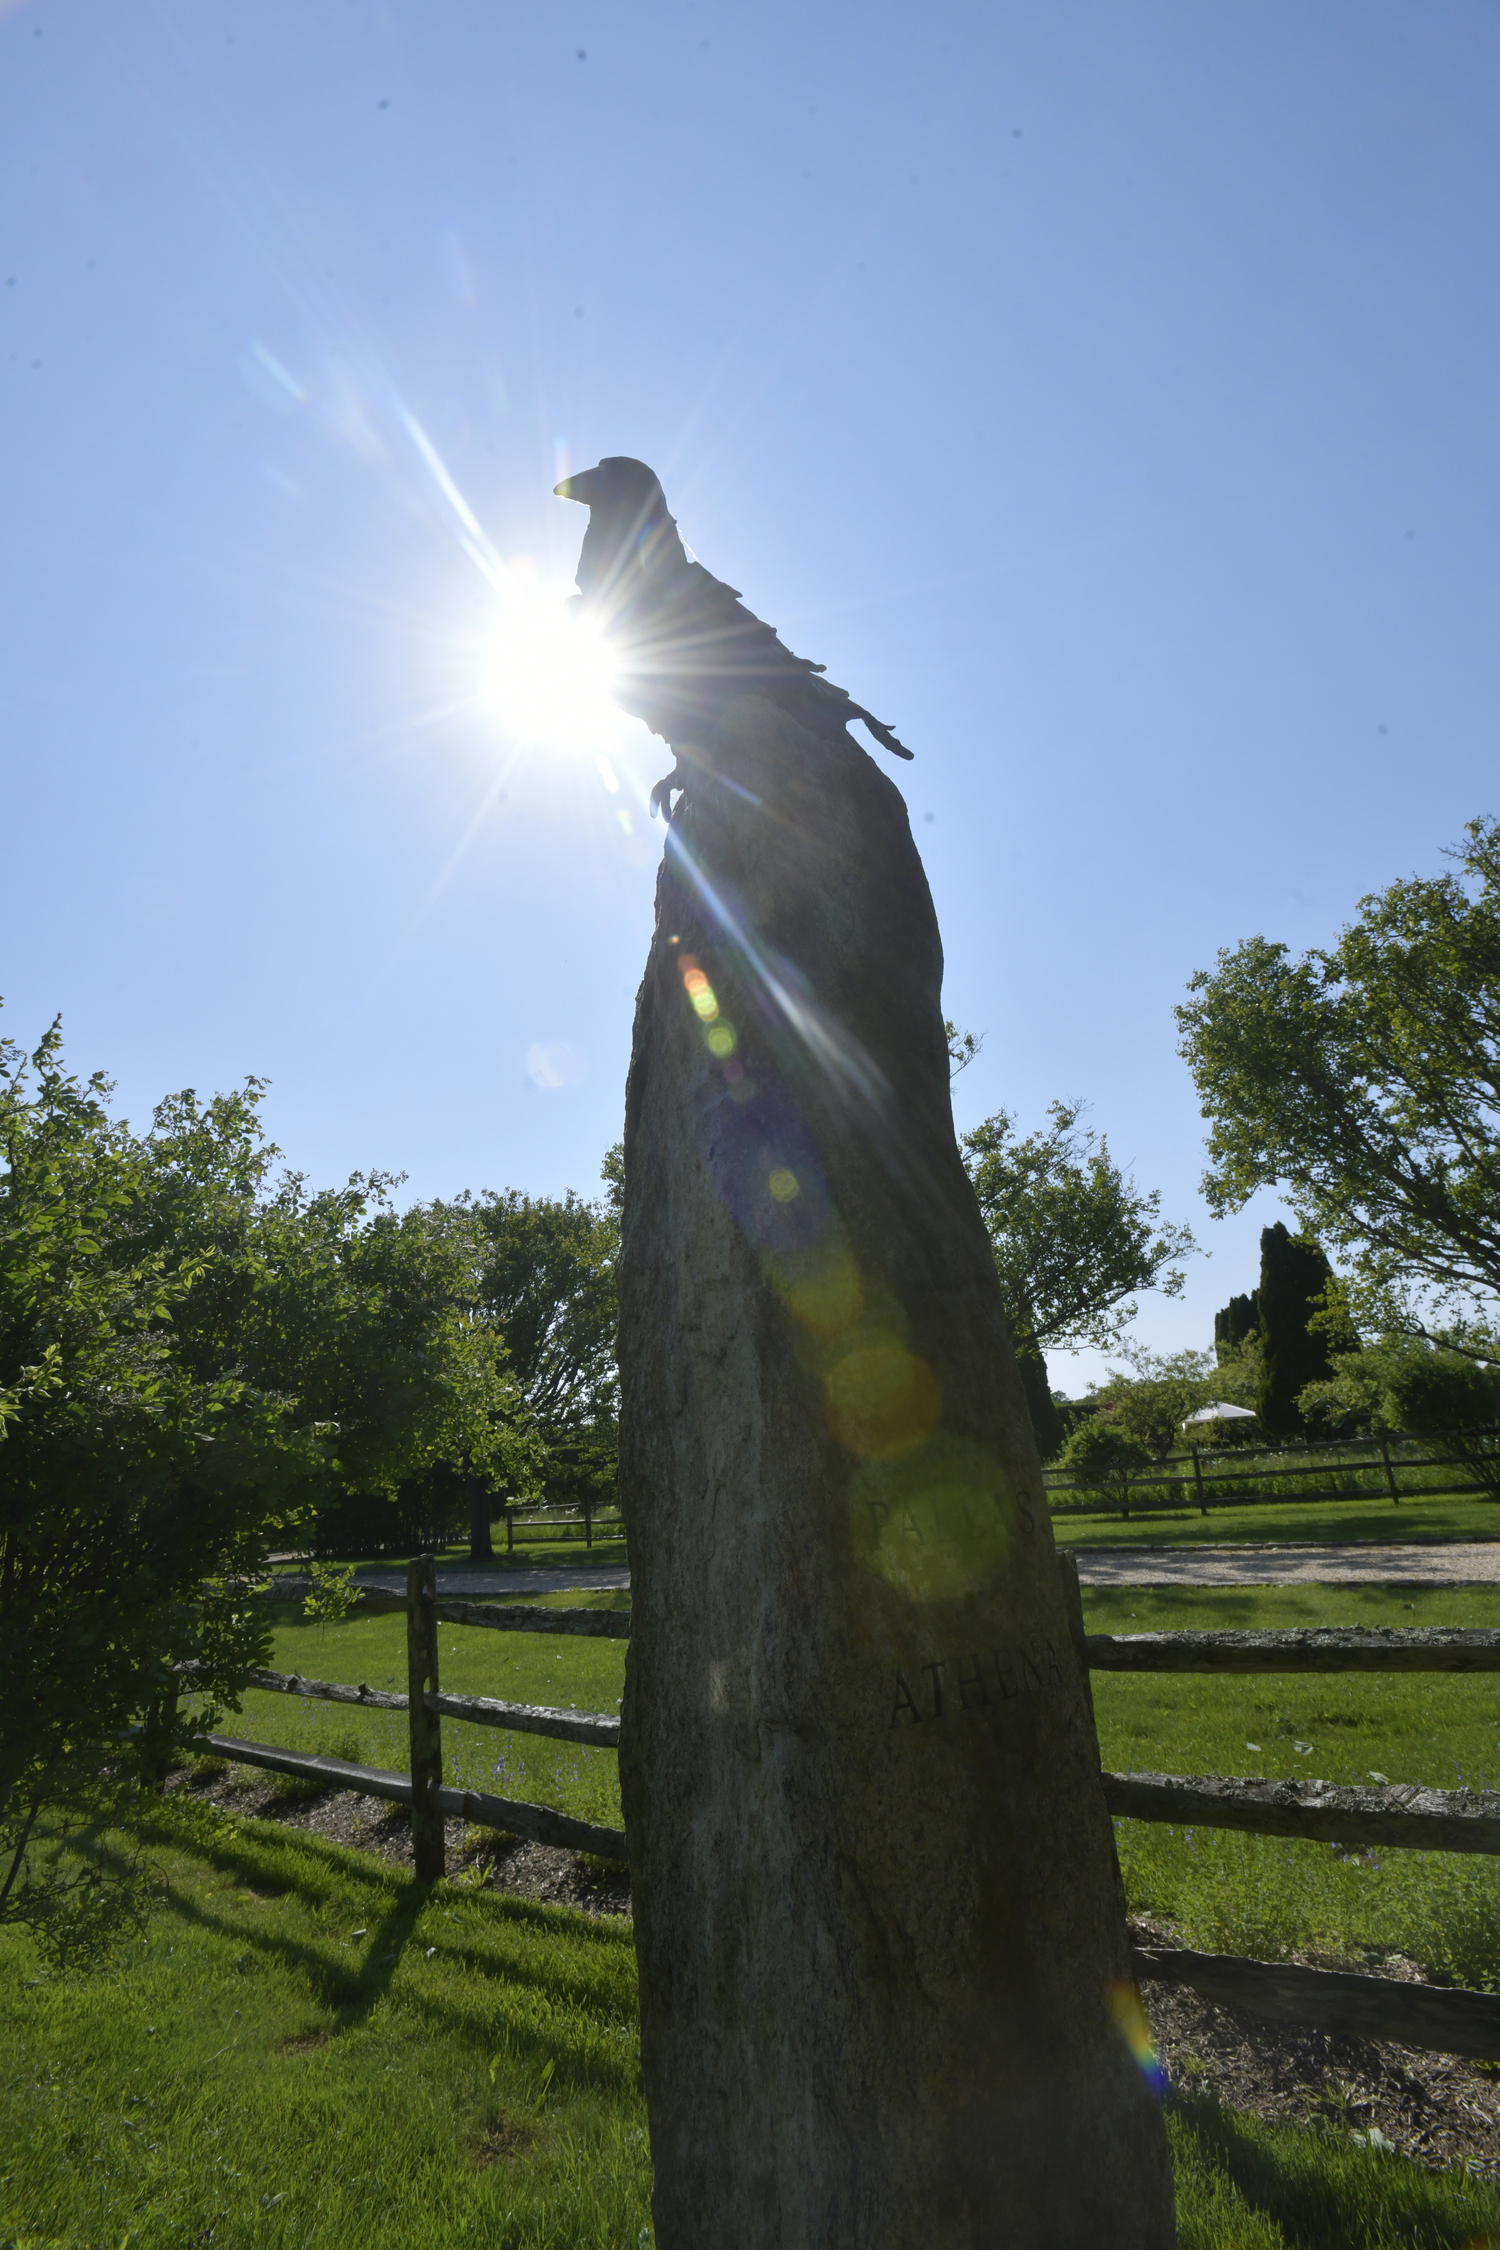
(1239, 1319)
(1046, 1422)
(1293, 1275)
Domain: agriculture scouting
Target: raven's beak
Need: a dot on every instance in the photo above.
(584, 487)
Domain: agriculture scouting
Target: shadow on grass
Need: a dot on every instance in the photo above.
(351, 1988)
(1324, 2194)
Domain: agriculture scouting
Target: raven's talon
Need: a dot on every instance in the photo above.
(661, 795)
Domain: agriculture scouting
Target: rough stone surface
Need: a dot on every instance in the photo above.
(878, 1916)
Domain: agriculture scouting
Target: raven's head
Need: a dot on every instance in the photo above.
(629, 527)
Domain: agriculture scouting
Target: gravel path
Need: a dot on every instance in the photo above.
(1469, 1562)
(1463, 1563)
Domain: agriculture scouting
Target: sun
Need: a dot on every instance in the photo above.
(546, 671)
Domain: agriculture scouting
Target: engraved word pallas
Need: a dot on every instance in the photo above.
(936, 1522)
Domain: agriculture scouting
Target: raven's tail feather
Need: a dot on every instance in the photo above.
(883, 734)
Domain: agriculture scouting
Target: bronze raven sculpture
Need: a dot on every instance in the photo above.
(686, 642)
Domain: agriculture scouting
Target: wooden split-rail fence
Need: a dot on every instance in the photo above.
(1207, 1478)
(422, 1786)
(537, 1524)
(1391, 1816)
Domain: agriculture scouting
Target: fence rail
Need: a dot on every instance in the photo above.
(511, 1617)
(586, 1520)
(1444, 2017)
(1392, 1648)
(512, 1814)
(596, 1728)
(1396, 1816)
(1392, 1816)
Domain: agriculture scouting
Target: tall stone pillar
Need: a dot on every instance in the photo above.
(877, 1914)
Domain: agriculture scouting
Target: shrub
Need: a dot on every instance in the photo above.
(1436, 1391)
(1100, 1453)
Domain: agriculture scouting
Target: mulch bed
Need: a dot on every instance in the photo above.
(1440, 2110)
(1443, 2111)
(373, 1824)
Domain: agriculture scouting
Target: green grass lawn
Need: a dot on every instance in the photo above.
(1302, 1523)
(1242, 2185)
(285, 2063)
(587, 1674)
(1257, 1894)
(312, 2050)
(315, 2053)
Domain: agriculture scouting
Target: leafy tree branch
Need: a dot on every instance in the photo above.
(1364, 1081)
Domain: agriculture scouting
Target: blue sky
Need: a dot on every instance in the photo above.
(1107, 394)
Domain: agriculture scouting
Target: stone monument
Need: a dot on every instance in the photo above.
(878, 1916)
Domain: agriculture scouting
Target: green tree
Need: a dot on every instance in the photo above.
(139, 1486)
(1239, 1320)
(1074, 1241)
(547, 1282)
(1401, 1383)
(1364, 1081)
(483, 1435)
(1294, 1279)
(371, 1317)
(194, 1357)
(1154, 1398)
(1441, 1392)
(963, 1047)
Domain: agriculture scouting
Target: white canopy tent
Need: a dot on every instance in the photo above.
(1217, 1412)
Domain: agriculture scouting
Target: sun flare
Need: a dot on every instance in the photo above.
(546, 670)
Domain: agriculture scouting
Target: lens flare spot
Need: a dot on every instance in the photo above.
(935, 1521)
(721, 1040)
(783, 1184)
(1130, 2021)
(698, 989)
(824, 1290)
(881, 1399)
(554, 1066)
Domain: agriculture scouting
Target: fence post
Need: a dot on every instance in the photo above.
(588, 1525)
(1073, 1603)
(1390, 1474)
(426, 1727)
(510, 1532)
(1125, 1496)
(1198, 1480)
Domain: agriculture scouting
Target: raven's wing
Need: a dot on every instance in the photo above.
(710, 633)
